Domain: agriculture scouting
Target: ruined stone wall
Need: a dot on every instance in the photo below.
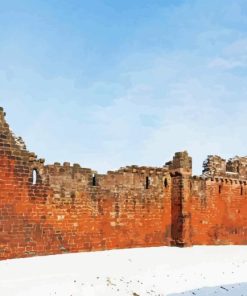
(72, 209)
(235, 167)
(218, 208)
(51, 209)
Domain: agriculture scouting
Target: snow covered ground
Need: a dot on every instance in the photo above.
(134, 272)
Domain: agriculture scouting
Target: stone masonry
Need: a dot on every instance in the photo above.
(61, 208)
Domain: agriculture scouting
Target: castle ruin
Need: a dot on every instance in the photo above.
(61, 208)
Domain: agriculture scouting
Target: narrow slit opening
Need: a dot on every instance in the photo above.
(147, 182)
(94, 180)
(34, 177)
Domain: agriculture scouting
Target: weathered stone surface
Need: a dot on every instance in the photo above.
(51, 209)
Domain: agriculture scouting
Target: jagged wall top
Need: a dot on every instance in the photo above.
(2, 114)
(235, 167)
(15, 145)
(214, 165)
(181, 163)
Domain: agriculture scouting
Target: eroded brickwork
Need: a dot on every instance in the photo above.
(51, 209)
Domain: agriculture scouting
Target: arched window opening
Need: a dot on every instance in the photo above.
(34, 177)
(219, 188)
(165, 182)
(147, 182)
(241, 190)
(94, 180)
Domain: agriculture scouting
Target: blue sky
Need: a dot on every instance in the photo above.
(111, 83)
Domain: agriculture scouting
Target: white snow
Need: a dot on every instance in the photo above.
(148, 271)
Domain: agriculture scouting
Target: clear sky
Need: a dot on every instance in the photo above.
(108, 83)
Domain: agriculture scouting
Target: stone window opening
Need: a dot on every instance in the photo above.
(219, 188)
(241, 190)
(165, 183)
(94, 180)
(34, 176)
(147, 182)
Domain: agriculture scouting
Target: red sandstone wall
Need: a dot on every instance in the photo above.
(218, 208)
(64, 212)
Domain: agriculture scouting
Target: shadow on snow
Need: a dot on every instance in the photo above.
(237, 289)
